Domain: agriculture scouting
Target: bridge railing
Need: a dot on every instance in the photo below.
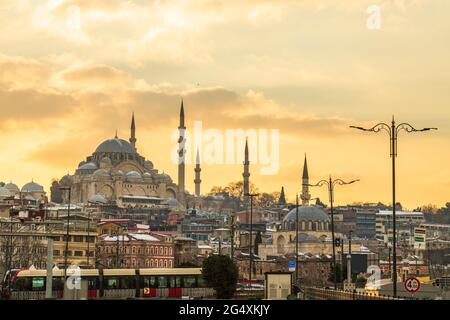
(313, 293)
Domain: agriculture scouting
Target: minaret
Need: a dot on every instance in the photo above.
(133, 132)
(197, 170)
(181, 151)
(246, 173)
(305, 196)
(282, 199)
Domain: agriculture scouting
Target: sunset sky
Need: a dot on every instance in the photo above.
(309, 68)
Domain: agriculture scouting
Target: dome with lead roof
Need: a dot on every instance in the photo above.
(133, 174)
(115, 145)
(98, 198)
(101, 173)
(307, 213)
(88, 166)
(32, 187)
(4, 192)
(12, 187)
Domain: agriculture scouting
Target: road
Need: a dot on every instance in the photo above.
(427, 290)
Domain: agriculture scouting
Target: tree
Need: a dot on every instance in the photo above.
(267, 199)
(221, 273)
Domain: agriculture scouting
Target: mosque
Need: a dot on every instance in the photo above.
(116, 172)
(314, 228)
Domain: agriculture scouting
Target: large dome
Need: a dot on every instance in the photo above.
(307, 213)
(115, 145)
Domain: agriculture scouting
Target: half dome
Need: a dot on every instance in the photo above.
(101, 173)
(133, 174)
(98, 198)
(88, 166)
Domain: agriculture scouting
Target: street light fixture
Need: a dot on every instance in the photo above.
(393, 131)
(330, 183)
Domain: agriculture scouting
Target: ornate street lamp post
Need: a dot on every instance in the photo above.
(393, 131)
(330, 183)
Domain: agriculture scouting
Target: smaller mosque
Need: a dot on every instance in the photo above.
(314, 227)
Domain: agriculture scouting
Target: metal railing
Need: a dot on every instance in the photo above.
(312, 293)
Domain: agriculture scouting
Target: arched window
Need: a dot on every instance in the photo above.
(156, 263)
(151, 263)
(170, 251)
(161, 263)
(165, 251)
(165, 263)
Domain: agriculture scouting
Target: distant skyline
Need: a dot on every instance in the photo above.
(73, 71)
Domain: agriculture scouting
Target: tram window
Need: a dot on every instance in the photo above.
(22, 284)
(201, 282)
(189, 282)
(38, 284)
(92, 283)
(112, 283)
(162, 282)
(150, 282)
(127, 282)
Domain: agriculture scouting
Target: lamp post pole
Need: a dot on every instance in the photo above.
(330, 183)
(393, 131)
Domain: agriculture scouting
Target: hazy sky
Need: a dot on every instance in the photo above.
(72, 72)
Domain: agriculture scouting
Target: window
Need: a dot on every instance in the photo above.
(78, 238)
(150, 282)
(78, 253)
(37, 284)
(189, 282)
(165, 251)
(56, 253)
(162, 282)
